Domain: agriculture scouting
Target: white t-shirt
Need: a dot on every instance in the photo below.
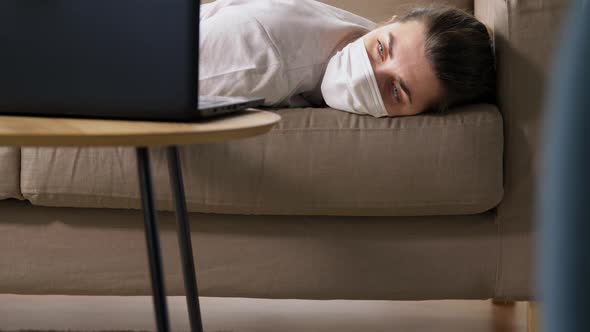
(276, 49)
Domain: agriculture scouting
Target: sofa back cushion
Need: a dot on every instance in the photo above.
(382, 10)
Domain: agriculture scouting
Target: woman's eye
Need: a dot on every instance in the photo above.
(380, 48)
(395, 92)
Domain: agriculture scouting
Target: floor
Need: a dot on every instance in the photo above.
(112, 313)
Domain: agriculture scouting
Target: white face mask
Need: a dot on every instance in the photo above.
(349, 83)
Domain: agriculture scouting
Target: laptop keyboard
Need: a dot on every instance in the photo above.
(212, 101)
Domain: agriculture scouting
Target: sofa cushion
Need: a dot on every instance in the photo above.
(314, 162)
(382, 10)
(10, 173)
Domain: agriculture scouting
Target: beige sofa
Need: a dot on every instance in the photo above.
(328, 205)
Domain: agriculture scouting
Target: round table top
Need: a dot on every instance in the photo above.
(44, 131)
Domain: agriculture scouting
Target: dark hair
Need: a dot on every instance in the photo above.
(459, 48)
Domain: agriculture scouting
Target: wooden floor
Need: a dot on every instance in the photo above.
(110, 313)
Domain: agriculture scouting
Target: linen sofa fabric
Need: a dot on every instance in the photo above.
(102, 252)
(315, 162)
(10, 173)
(526, 35)
(380, 11)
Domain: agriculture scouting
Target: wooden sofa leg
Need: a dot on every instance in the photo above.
(533, 317)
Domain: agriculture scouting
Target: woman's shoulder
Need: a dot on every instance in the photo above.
(236, 57)
(234, 40)
(276, 46)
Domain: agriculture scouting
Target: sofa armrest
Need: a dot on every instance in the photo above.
(10, 173)
(525, 37)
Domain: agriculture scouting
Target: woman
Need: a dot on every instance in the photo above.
(298, 53)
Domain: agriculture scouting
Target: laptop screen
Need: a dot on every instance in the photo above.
(99, 54)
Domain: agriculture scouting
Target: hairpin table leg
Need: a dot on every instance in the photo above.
(153, 243)
(184, 240)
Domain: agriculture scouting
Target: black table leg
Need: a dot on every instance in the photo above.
(184, 240)
(153, 242)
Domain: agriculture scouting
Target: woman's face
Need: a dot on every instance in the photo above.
(405, 78)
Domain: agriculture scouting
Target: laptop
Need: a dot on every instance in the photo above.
(110, 59)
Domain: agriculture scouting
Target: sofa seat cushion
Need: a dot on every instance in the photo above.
(314, 162)
(380, 11)
(10, 173)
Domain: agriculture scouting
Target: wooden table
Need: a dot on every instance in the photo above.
(42, 131)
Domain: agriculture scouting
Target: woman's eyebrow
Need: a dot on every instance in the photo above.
(390, 45)
(402, 83)
(404, 86)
